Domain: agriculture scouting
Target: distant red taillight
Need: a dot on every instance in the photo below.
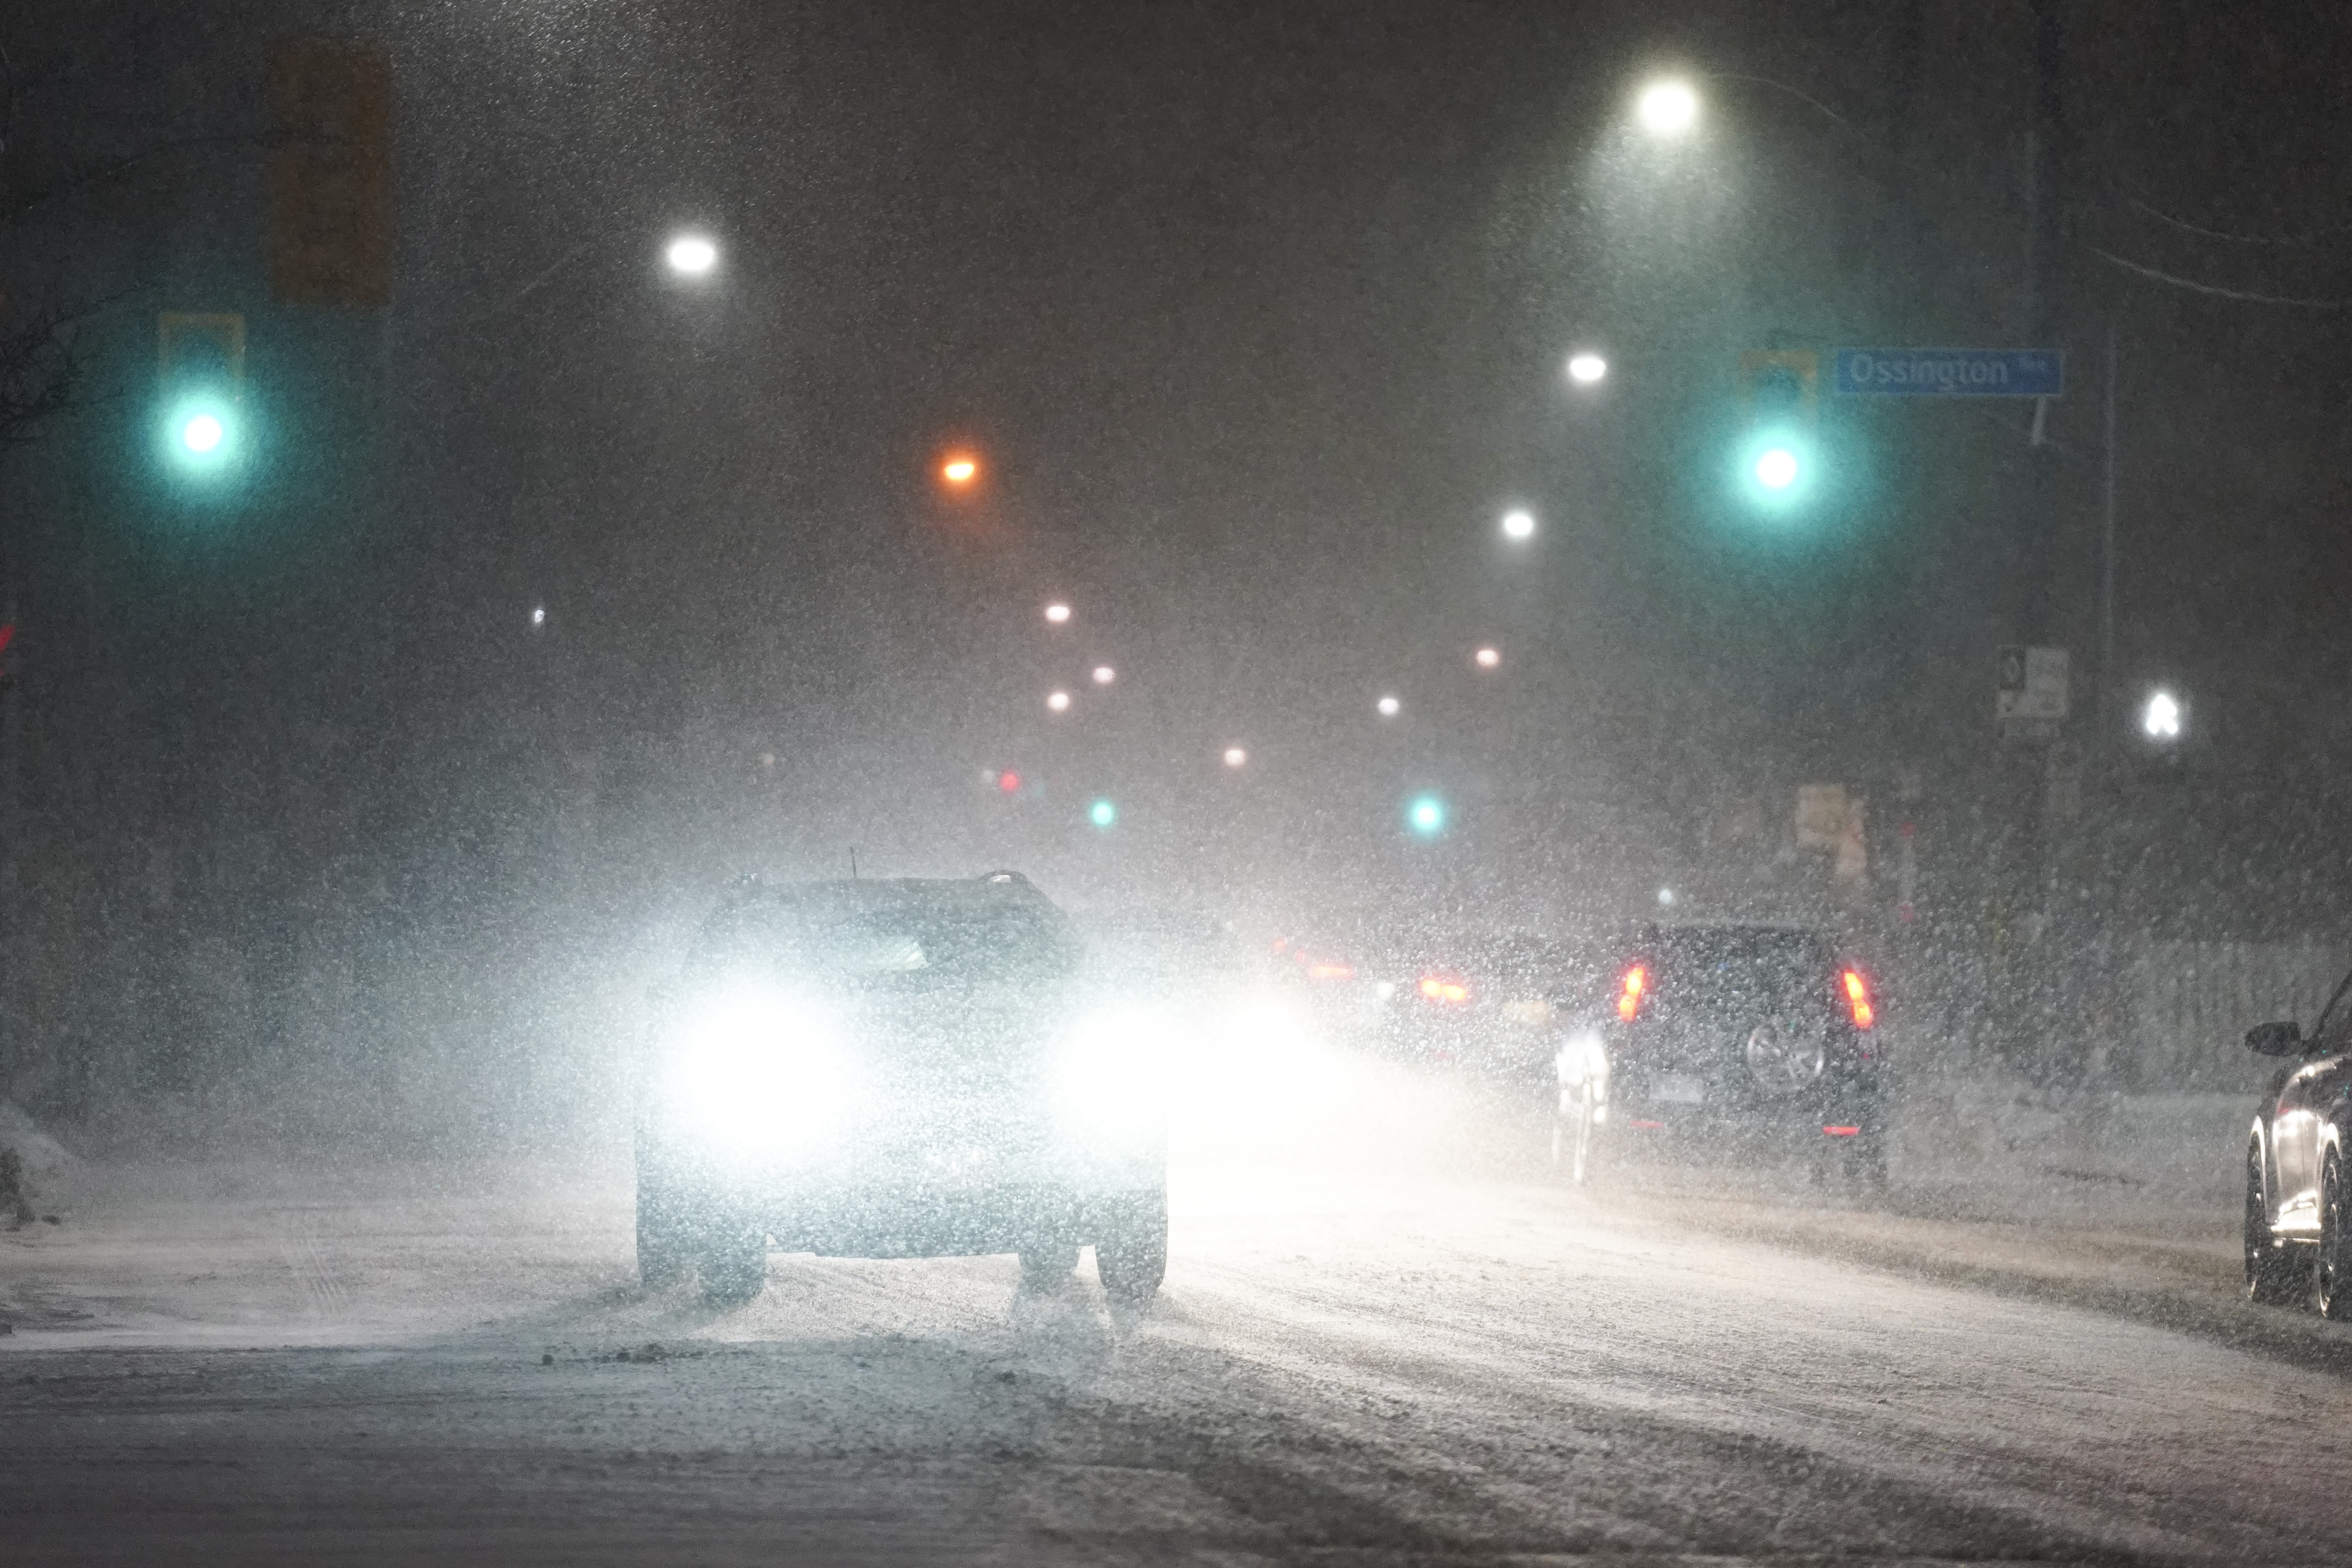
(1444, 990)
(1842, 1131)
(1857, 997)
(1330, 971)
(1630, 993)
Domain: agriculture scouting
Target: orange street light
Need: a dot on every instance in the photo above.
(960, 470)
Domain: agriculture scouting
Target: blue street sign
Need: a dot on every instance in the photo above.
(1950, 372)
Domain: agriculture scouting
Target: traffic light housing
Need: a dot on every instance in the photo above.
(1776, 459)
(200, 379)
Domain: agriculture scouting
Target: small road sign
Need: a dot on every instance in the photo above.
(2030, 701)
(1948, 373)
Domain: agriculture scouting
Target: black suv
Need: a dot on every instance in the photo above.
(1737, 1037)
(897, 1069)
(2299, 1161)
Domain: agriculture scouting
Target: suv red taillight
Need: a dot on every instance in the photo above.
(1857, 997)
(1631, 991)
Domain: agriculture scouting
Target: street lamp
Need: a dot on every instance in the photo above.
(1057, 702)
(1105, 675)
(1057, 613)
(1488, 657)
(1667, 108)
(1518, 523)
(1388, 707)
(2159, 719)
(1586, 368)
(692, 255)
(1235, 756)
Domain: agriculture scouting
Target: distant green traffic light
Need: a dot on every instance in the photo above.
(1103, 813)
(201, 435)
(1776, 470)
(1425, 816)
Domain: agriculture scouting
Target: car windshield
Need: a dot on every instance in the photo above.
(909, 942)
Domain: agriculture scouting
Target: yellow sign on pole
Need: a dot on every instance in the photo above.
(331, 230)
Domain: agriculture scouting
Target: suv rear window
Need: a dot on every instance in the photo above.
(1742, 964)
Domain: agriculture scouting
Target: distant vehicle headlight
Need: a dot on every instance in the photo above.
(759, 1072)
(1111, 1083)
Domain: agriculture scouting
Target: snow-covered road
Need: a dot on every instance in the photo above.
(1380, 1362)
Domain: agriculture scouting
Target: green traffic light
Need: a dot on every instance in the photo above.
(1425, 816)
(1775, 469)
(1103, 813)
(200, 434)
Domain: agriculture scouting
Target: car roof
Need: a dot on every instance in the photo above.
(1006, 889)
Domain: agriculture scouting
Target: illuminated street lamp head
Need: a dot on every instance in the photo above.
(1057, 702)
(1057, 613)
(1667, 108)
(1518, 523)
(1585, 369)
(1105, 675)
(538, 615)
(2161, 719)
(960, 469)
(1235, 756)
(1488, 657)
(692, 256)
(1388, 707)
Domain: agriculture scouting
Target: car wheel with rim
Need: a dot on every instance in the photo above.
(2332, 1271)
(2269, 1278)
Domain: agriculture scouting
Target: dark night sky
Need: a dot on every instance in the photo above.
(1257, 312)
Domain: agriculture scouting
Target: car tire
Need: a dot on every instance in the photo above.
(2271, 1279)
(2331, 1269)
(733, 1267)
(665, 1235)
(1865, 1158)
(665, 1249)
(1131, 1247)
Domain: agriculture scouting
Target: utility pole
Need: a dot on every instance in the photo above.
(2021, 971)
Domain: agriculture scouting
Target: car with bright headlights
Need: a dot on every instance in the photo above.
(1726, 1040)
(897, 1069)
